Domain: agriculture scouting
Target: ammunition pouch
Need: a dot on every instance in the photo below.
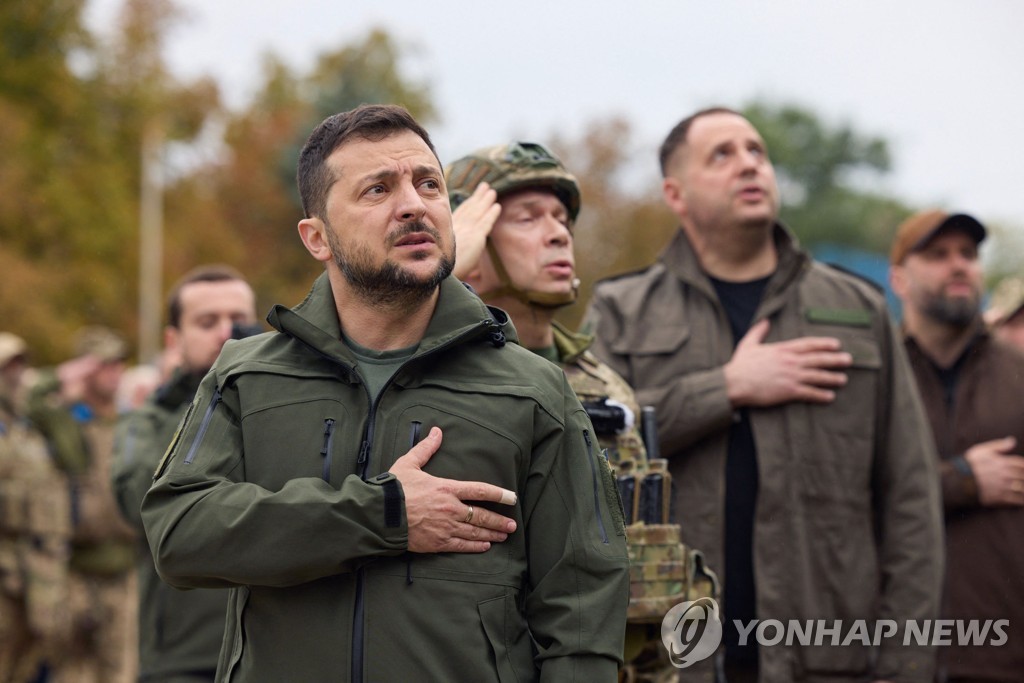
(663, 572)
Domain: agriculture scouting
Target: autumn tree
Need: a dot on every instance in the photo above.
(618, 229)
(73, 110)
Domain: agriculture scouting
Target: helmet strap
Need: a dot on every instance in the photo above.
(530, 298)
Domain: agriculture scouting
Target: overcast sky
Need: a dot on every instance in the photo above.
(940, 79)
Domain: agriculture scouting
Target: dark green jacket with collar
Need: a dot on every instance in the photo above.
(277, 486)
(179, 632)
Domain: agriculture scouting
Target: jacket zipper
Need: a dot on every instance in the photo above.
(358, 633)
(597, 486)
(326, 451)
(207, 417)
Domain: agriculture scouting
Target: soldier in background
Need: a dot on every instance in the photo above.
(515, 209)
(1005, 313)
(179, 632)
(35, 524)
(75, 407)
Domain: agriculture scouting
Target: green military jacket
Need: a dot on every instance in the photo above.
(179, 632)
(102, 544)
(848, 523)
(277, 486)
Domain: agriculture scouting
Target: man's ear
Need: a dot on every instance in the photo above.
(898, 281)
(171, 338)
(313, 236)
(672, 194)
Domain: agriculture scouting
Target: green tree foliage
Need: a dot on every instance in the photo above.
(821, 171)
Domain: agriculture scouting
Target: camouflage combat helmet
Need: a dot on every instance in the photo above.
(1007, 300)
(507, 169)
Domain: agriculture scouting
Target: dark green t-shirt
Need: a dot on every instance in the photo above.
(377, 367)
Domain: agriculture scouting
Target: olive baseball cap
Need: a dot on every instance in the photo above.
(915, 232)
(102, 342)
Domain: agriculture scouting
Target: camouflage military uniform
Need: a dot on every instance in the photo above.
(35, 524)
(663, 571)
(103, 597)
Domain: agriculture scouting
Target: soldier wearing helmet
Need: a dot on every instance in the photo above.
(515, 207)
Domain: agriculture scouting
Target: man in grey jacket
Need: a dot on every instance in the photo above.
(795, 436)
(393, 489)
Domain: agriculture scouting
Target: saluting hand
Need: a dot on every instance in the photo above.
(472, 222)
(803, 369)
(439, 519)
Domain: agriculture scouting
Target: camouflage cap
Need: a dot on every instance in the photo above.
(11, 347)
(1006, 301)
(511, 167)
(102, 342)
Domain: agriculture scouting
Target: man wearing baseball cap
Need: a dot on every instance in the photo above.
(970, 385)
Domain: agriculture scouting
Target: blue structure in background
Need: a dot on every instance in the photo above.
(872, 266)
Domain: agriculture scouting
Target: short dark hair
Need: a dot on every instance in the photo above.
(214, 272)
(677, 136)
(372, 122)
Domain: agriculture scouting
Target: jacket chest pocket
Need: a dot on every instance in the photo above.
(474, 447)
(843, 432)
(312, 437)
(659, 353)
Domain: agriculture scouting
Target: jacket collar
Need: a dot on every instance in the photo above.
(980, 337)
(681, 260)
(179, 389)
(570, 345)
(460, 315)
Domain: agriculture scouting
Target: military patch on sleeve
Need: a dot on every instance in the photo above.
(174, 442)
(850, 317)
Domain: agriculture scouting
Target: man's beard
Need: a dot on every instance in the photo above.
(957, 312)
(388, 285)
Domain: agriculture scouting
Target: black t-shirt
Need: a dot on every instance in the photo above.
(740, 301)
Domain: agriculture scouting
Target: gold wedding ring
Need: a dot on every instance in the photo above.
(469, 516)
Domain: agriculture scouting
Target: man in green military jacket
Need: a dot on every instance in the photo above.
(179, 632)
(391, 486)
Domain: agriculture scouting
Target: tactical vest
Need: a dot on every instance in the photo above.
(663, 570)
(35, 528)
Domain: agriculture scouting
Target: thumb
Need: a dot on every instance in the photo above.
(756, 334)
(1006, 444)
(420, 454)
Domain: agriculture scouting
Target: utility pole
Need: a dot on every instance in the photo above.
(151, 230)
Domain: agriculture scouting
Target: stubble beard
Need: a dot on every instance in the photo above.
(389, 285)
